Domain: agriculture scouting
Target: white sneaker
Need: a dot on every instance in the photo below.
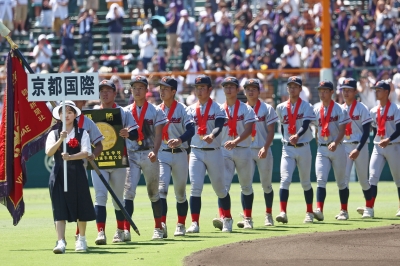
(118, 236)
(318, 215)
(248, 223)
(218, 223)
(180, 230)
(398, 213)
(269, 221)
(368, 213)
(16, 32)
(193, 228)
(360, 210)
(164, 228)
(127, 236)
(282, 218)
(81, 245)
(101, 238)
(76, 237)
(343, 215)
(309, 219)
(158, 234)
(227, 225)
(23, 32)
(60, 247)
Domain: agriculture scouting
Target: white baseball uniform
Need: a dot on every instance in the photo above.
(300, 155)
(266, 116)
(239, 157)
(326, 158)
(391, 152)
(175, 164)
(93, 131)
(138, 155)
(210, 159)
(360, 117)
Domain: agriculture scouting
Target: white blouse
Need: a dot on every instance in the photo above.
(85, 141)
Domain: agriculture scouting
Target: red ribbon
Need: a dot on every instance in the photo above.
(232, 121)
(382, 119)
(81, 120)
(325, 120)
(293, 117)
(256, 108)
(202, 119)
(73, 143)
(349, 131)
(170, 113)
(140, 119)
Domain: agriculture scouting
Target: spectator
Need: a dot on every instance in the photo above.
(45, 15)
(357, 59)
(193, 64)
(225, 30)
(217, 63)
(235, 54)
(119, 85)
(6, 13)
(315, 59)
(115, 18)
(93, 63)
(172, 25)
(367, 94)
(306, 52)
(42, 51)
(20, 15)
(60, 12)
(186, 32)
(139, 69)
(343, 70)
(337, 56)
(192, 98)
(378, 40)
(38, 7)
(306, 22)
(379, 13)
(213, 41)
(161, 6)
(387, 27)
(292, 51)
(180, 80)
(91, 4)
(67, 40)
(342, 23)
(396, 85)
(371, 54)
(147, 44)
(204, 27)
(86, 22)
(149, 4)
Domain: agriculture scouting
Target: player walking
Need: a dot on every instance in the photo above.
(295, 116)
(356, 136)
(331, 120)
(173, 156)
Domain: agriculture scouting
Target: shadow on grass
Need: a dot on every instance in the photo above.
(328, 223)
(91, 250)
(270, 229)
(389, 219)
(289, 226)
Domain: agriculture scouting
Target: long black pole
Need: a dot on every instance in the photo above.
(92, 163)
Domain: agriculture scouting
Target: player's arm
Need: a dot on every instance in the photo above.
(248, 128)
(189, 133)
(270, 135)
(98, 148)
(303, 129)
(157, 138)
(133, 134)
(340, 136)
(365, 136)
(383, 143)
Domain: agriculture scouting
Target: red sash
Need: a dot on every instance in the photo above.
(325, 120)
(165, 136)
(349, 131)
(381, 120)
(202, 119)
(293, 117)
(140, 119)
(254, 131)
(232, 121)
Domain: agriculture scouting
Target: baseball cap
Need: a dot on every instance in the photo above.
(147, 27)
(107, 83)
(139, 79)
(326, 84)
(383, 84)
(203, 79)
(295, 79)
(235, 40)
(230, 80)
(172, 5)
(252, 82)
(169, 82)
(193, 52)
(336, 46)
(42, 37)
(349, 83)
(183, 13)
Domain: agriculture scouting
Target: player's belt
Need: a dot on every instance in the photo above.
(173, 150)
(354, 142)
(327, 144)
(298, 145)
(205, 149)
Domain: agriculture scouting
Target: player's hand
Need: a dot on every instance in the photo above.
(208, 138)
(65, 156)
(354, 154)
(332, 146)
(384, 143)
(152, 156)
(124, 133)
(173, 143)
(91, 157)
(263, 153)
(230, 144)
(293, 139)
(63, 135)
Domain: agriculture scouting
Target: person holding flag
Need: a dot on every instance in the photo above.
(173, 156)
(115, 176)
(143, 153)
(262, 136)
(75, 205)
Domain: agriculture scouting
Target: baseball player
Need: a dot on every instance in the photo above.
(295, 116)
(115, 177)
(356, 136)
(262, 136)
(206, 154)
(143, 153)
(331, 120)
(236, 149)
(386, 127)
(173, 156)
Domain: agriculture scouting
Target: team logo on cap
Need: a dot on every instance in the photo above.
(198, 80)
(294, 78)
(251, 81)
(346, 81)
(164, 79)
(229, 79)
(103, 82)
(138, 78)
(322, 83)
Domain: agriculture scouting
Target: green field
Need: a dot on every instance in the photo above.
(32, 241)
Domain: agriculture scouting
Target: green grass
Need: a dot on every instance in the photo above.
(31, 242)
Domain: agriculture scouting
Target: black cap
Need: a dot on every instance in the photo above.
(295, 79)
(169, 82)
(345, 55)
(139, 79)
(336, 46)
(383, 84)
(252, 82)
(203, 79)
(107, 83)
(325, 84)
(349, 83)
(230, 80)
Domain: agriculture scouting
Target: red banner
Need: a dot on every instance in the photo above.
(22, 122)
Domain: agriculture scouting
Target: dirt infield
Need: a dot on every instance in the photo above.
(377, 246)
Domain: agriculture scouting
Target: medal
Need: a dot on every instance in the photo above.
(165, 141)
(325, 138)
(139, 142)
(201, 137)
(252, 138)
(347, 137)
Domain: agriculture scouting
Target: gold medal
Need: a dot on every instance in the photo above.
(201, 137)
(347, 136)
(165, 141)
(139, 142)
(252, 138)
(325, 138)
